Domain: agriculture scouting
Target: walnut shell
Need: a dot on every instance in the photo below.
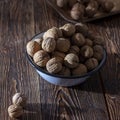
(107, 5)
(78, 39)
(53, 33)
(91, 63)
(88, 42)
(68, 30)
(71, 2)
(77, 11)
(65, 71)
(98, 52)
(98, 40)
(58, 54)
(91, 8)
(41, 58)
(81, 69)
(32, 47)
(15, 111)
(49, 44)
(39, 41)
(71, 60)
(61, 3)
(87, 51)
(54, 65)
(19, 99)
(81, 28)
(62, 44)
(74, 49)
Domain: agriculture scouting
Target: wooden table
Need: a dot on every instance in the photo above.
(96, 99)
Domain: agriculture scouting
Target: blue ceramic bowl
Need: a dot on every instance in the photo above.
(64, 80)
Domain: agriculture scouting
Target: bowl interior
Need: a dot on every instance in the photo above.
(60, 76)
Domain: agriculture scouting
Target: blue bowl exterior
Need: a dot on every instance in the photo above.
(61, 81)
(64, 80)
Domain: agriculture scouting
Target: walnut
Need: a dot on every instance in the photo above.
(39, 40)
(87, 51)
(98, 52)
(74, 49)
(81, 28)
(61, 3)
(78, 39)
(15, 111)
(53, 33)
(62, 44)
(88, 42)
(65, 71)
(107, 5)
(19, 99)
(68, 30)
(58, 54)
(54, 65)
(32, 47)
(71, 60)
(81, 69)
(98, 40)
(91, 63)
(77, 11)
(49, 44)
(91, 8)
(41, 58)
(71, 2)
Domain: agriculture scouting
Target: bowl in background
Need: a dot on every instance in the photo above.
(64, 80)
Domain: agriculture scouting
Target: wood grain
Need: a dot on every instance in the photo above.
(19, 21)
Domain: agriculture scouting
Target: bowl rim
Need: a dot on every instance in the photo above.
(60, 76)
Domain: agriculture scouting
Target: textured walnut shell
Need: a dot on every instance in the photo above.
(88, 42)
(78, 39)
(49, 44)
(81, 69)
(71, 2)
(68, 30)
(71, 60)
(52, 33)
(41, 58)
(65, 71)
(107, 5)
(62, 44)
(98, 52)
(39, 41)
(91, 8)
(77, 11)
(81, 28)
(74, 49)
(98, 40)
(58, 54)
(54, 65)
(15, 111)
(61, 3)
(91, 63)
(32, 47)
(87, 51)
(19, 99)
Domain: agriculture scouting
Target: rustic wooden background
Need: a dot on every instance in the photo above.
(96, 99)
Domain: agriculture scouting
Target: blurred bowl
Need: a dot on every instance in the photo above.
(64, 80)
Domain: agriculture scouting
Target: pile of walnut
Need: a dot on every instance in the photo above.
(69, 50)
(81, 9)
(16, 109)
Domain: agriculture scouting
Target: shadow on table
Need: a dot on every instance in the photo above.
(36, 111)
(106, 80)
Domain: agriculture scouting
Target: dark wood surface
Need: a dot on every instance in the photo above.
(96, 99)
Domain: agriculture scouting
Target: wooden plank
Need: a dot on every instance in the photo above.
(20, 20)
(56, 102)
(111, 73)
